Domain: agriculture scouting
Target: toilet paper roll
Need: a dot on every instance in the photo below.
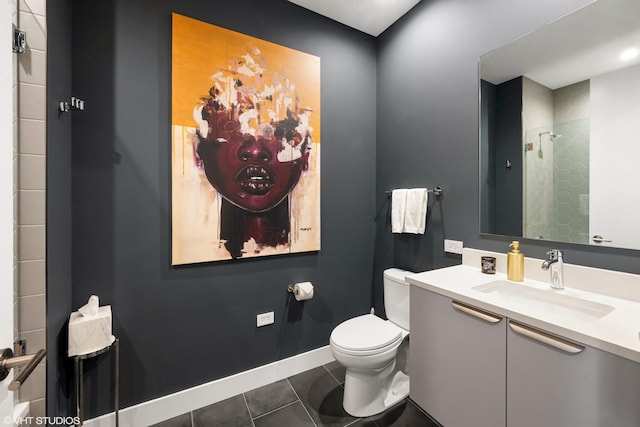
(303, 291)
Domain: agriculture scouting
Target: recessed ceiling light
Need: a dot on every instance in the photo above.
(629, 54)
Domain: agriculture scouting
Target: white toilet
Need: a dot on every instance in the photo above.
(368, 345)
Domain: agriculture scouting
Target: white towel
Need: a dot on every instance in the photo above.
(415, 214)
(398, 204)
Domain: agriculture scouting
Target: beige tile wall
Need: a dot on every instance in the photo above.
(31, 195)
(14, 109)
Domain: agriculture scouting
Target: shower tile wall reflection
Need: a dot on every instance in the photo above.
(571, 163)
(571, 186)
(537, 117)
(556, 205)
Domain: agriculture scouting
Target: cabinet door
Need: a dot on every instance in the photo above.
(556, 383)
(457, 361)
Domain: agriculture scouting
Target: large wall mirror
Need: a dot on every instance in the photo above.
(560, 130)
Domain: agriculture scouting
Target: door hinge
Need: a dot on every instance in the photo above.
(19, 40)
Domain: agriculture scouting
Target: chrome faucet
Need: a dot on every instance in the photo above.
(555, 264)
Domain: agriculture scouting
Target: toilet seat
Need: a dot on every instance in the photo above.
(365, 335)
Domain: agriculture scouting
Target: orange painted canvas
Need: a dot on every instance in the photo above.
(245, 146)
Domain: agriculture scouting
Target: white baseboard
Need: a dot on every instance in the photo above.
(172, 405)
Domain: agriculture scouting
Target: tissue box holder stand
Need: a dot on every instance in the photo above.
(78, 362)
(111, 342)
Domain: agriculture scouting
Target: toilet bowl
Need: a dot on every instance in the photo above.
(367, 346)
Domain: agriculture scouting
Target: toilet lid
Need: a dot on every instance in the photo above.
(366, 332)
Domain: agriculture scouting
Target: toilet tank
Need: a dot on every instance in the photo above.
(396, 297)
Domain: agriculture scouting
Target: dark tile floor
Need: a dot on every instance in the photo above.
(312, 398)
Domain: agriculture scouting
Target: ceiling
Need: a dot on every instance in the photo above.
(578, 46)
(369, 16)
(543, 58)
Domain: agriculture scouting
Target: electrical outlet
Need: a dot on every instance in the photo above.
(453, 246)
(264, 319)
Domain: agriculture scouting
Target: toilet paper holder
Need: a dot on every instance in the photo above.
(292, 289)
(302, 291)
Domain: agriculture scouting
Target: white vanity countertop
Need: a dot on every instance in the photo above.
(617, 332)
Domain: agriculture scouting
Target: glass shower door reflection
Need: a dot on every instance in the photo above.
(556, 182)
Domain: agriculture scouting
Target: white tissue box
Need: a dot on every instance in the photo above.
(88, 334)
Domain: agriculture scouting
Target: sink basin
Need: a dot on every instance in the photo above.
(549, 300)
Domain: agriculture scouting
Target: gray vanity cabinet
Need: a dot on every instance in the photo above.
(571, 386)
(470, 368)
(457, 361)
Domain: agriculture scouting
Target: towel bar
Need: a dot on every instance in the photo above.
(437, 191)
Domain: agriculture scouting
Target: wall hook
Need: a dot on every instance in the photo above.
(73, 104)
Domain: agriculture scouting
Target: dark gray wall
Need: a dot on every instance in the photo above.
(487, 156)
(427, 135)
(180, 327)
(428, 127)
(59, 213)
(508, 147)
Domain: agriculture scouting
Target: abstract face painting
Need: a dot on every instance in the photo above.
(245, 146)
